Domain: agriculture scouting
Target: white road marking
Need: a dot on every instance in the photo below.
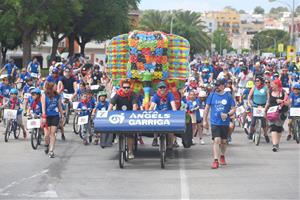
(2, 190)
(184, 187)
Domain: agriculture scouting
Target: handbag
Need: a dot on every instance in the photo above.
(273, 113)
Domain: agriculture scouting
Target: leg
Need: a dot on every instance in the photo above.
(52, 137)
(216, 148)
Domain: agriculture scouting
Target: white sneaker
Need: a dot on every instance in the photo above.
(202, 141)
(130, 156)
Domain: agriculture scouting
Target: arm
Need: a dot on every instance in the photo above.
(152, 106)
(250, 97)
(60, 87)
(205, 116)
(173, 105)
(110, 108)
(75, 89)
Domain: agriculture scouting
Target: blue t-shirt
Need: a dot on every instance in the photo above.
(102, 105)
(295, 100)
(9, 67)
(52, 105)
(4, 90)
(25, 76)
(84, 107)
(219, 104)
(38, 107)
(16, 106)
(162, 104)
(34, 67)
(51, 79)
(205, 78)
(285, 81)
(26, 88)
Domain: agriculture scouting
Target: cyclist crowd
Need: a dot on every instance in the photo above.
(251, 92)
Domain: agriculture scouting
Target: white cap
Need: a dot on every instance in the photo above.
(202, 93)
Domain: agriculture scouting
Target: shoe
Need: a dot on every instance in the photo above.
(155, 143)
(85, 142)
(63, 138)
(51, 154)
(175, 145)
(25, 135)
(202, 141)
(130, 156)
(274, 149)
(250, 136)
(96, 142)
(267, 139)
(46, 149)
(229, 140)
(215, 165)
(141, 141)
(289, 137)
(222, 160)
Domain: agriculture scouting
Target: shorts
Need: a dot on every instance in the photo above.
(263, 122)
(53, 120)
(19, 120)
(219, 131)
(274, 128)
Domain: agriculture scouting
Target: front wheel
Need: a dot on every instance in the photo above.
(35, 138)
(162, 149)
(76, 127)
(17, 130)
(296, 130)
(258, 133)
(7, 131)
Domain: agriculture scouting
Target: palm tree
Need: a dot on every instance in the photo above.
(153, 20)
(189, 25)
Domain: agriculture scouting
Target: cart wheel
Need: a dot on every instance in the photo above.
(162, 149)
(121, 151)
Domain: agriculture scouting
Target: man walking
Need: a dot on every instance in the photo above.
(222, 106)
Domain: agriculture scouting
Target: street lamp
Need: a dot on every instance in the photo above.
(274, 39)
(292, 9)
(221, 37)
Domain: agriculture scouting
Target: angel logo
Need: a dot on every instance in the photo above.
(117, 118)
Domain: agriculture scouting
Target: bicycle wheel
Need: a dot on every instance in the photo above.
(258, 133)
(34, 138)
(76, 127)
(7, 131)
(121, 151)
(67, 112)
(16, 130)
(162, 149)
(296, 129)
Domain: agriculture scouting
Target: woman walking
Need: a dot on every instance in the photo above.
(51, 114)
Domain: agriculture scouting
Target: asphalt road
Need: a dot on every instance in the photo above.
(89, 172)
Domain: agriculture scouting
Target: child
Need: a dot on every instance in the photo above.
(199, 115)
(15, 104)
(4, 89)
(84, 106)
(80, 90)
(35, 104)
(106, 139)
(295, 103)
(193, 106)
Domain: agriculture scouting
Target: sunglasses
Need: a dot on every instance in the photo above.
(162, 87)
(267, 82)
(257, 80)
(126, 88)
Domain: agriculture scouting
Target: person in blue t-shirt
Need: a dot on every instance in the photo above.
(85, 108)
(52, 113)
(163, 100)
(295, 103)
(53, 78)
(34, 68)
(35, 105)
(222, 106)
(4, 88)
(102, 105)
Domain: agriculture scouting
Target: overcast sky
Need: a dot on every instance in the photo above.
(209, 5)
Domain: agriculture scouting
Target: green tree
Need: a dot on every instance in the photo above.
(60, 20)
(259, 10)
(102, 19)
(154, 20)
(242, 12)
(277, 12)
(28, 16)
(189, 25)
(265, 39)
(220, 39)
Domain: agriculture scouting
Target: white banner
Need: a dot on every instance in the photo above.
(95, 87)
(83, 120)
(10, 114)
(75, 105)
(33, 123)
(295, 112)
(240, 110)
(258, 112)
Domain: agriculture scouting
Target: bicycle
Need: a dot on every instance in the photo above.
(295, 116)
(67, 99)
(85, 124)
(12, 126)
(34, 125)
(259, 113)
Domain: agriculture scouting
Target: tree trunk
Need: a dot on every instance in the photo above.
(55, 42)
(26, 42)
(3, 53)
(82, 48)
(71, 44)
